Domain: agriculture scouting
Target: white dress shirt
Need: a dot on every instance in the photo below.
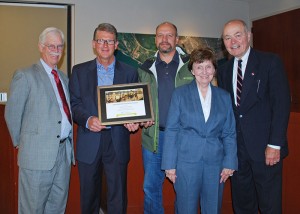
(206, 102)
(66, 127)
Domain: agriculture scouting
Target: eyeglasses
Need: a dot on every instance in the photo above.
(55, 47)
(107, 41)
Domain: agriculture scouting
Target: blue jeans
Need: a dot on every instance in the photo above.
(153, 179)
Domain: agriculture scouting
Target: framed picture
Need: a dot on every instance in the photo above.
(124, 103)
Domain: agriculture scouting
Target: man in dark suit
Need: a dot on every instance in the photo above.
(100, 147)
(261, 102)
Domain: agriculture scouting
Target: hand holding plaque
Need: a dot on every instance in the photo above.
(124, 103)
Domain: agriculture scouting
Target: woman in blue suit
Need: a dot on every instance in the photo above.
(200, 149)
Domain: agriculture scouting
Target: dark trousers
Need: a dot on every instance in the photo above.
(91, 180)
(256, 185)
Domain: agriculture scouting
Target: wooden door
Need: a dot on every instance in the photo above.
(281, 34)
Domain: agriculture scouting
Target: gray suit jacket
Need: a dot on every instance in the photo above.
(34, 119)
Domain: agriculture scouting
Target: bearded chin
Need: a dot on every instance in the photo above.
(165, 50)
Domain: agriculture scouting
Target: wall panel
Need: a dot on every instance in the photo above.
(280, 34)
(21, 25)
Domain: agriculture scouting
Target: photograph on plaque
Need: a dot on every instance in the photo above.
(124, 103)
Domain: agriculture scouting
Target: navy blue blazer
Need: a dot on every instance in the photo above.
(188, 138)
(265, 102)
(84, 103)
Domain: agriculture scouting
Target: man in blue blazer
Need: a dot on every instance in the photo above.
(262, 114)
(100, 147)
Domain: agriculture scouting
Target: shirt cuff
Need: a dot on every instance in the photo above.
(274, 147)
(87, 123)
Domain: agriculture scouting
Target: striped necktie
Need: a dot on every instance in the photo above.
(239, 83)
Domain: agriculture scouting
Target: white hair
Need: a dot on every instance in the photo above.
(43, 35)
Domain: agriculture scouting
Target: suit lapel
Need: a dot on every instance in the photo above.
(250, 75)
(194, 92)
(46, 81)
(228, 79)
(93, 81)
(118, 77)
(213, 106)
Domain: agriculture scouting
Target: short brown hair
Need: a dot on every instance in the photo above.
(107, 28)
(199, 55)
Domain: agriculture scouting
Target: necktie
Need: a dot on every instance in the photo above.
(62, 95)
(239, 83)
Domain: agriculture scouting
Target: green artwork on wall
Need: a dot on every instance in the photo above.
(135, 48)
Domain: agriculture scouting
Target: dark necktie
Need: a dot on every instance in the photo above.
(239, 83)
(62, 95)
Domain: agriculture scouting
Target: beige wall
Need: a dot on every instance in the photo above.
(203, 18)
(19, 32)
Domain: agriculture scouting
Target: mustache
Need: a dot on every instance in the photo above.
(164, 43)
(54, 54)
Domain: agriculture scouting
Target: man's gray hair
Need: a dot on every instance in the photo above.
(43, 35)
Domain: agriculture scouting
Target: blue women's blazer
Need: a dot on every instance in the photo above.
(188, 138)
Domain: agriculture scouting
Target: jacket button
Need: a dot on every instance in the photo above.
(58, 136)
(59, 122)
(241, 115)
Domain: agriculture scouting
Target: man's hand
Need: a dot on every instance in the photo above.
(95, 125)
(147, 124)
(132, 126)
(272, 156)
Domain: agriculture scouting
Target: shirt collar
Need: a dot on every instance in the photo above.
(174, 59)
(110, 68)
(245, 57)
(47, 68)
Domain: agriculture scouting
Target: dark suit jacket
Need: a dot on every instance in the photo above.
(265, 103)
(84, 102)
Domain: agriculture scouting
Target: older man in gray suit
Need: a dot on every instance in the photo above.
(39, 121)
